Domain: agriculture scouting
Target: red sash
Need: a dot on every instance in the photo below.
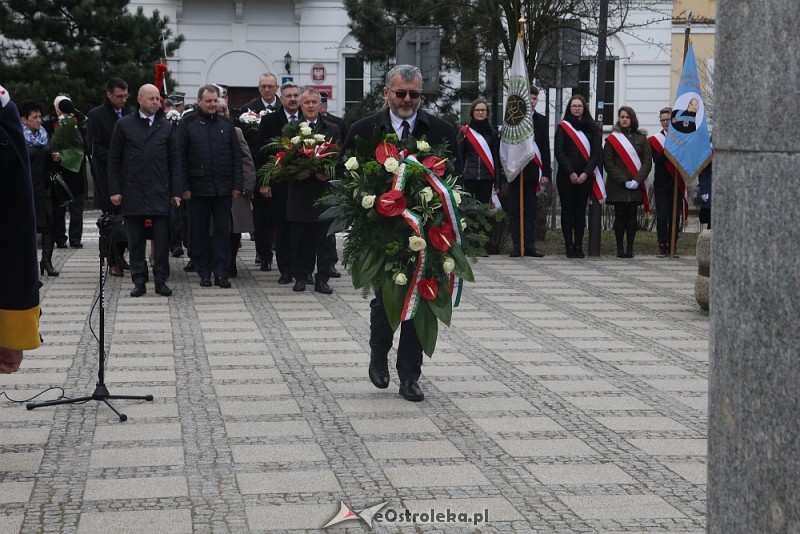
(657, 143)
(583, 146)
(480, 145)
(627, 154)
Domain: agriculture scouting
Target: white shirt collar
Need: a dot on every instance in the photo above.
(272, 104)
(397, 122)
(150, 118)
(296, 114)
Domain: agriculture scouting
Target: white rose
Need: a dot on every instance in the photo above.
(391, 164)
(423, 146)
(448, 264)
(400, 279)
(303, 124)
(457, 197)
(296, 140)
(426, 194)
(351, 165)
(319, 138)
(309, 142)
(416, 243)
(305, 130)
(367, 201)
(264, 112)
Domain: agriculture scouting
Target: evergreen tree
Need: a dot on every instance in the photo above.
(75, 46)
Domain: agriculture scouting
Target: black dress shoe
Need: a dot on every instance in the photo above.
(379, 371)
(533, 253)
(205, 281)
(76, 244)
(514, 253)
(61, 244)
(300, 285)
(321, 286)
(578, 252)
(285, 279)
(309, 279)
(189, 267)
(266, 266)
(163, 290)
(334, 273)
(222, 281)
(410, 391)
(138, 291)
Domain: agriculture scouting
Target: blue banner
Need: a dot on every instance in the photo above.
(688, 144)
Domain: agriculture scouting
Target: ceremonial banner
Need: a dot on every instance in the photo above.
(688, 144)
(516, 139)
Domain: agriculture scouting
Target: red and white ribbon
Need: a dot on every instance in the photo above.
(582, 143)
(633, 163)
(657, 143)
(480, 146)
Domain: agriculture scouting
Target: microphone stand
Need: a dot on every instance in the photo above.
(104, 223)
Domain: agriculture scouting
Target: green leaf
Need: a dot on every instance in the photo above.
(367, 266)
(427, 326)
(462, 267)
(442, 307)
(332, 212)
(393, 297)
(338, 225)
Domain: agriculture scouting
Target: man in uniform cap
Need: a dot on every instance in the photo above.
(178, 98)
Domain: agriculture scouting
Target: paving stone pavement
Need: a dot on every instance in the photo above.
(568, 396)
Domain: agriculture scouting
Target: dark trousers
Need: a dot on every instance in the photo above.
(283, 248)
(309, 242)
(263, 227)
(573, 208)
(75, 221)
(625, 222)
(210, 254)
(480, 189)
(137, 241)
(664, 214)
(529, 217)
(333, 254)
(409, 350)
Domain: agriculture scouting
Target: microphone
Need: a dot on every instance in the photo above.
(66, 106)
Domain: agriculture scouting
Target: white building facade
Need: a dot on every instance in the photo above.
(233, 42)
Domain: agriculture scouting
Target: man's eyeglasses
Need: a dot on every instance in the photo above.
(402, 94)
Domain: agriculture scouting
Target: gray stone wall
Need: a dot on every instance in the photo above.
(754, 365)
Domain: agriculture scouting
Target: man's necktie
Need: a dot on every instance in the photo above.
(404, 133)
(293, 118)
(312, 125)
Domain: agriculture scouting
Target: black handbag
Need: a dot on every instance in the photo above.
(61, 191)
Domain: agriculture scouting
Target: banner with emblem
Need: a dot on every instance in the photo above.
(516, 139)
(688, 143)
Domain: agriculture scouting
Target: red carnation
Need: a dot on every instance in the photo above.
(391, 203)
(385, 151)
(428, 288)
(441, 237)
(435, 164)
(278, 157)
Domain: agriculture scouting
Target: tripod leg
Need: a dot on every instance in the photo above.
(122, 416)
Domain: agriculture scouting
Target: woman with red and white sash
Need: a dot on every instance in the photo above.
(479, 145)
(579, 152)
(627, 160)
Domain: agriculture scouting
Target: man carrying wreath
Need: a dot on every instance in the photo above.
(403, 94)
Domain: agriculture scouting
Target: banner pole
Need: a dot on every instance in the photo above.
(673, 242)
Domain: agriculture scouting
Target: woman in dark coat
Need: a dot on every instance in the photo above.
(480, 178)
(623, 186)
(42, 162)
(575, 173)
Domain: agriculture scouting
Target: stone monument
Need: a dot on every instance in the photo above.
(754, 361)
